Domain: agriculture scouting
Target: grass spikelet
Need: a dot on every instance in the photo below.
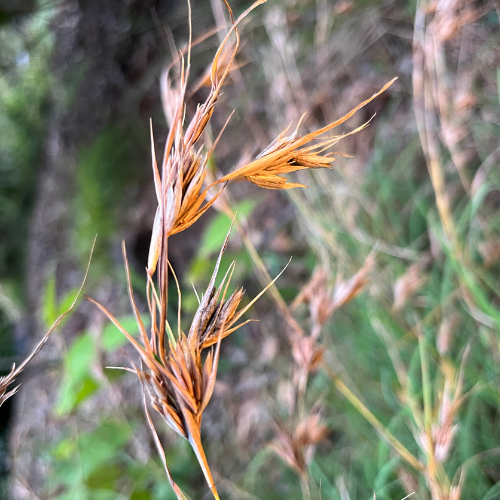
(292, 153)
(178, 383)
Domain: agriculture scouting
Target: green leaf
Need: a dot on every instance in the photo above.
(51, 308)
(112, 338)
(102, 445)
(216, 231)
(493, 493)
(74, 392)
(104, 477)
(80, 356)
(78, 384)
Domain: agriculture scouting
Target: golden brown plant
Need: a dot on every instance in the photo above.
(292, 153)
(296, 447)
(179, 384)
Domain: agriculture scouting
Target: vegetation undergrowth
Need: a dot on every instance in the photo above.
(381, 373)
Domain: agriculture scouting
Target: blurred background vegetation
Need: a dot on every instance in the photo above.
(414, 359)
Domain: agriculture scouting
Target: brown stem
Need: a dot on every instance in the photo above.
(194, 437)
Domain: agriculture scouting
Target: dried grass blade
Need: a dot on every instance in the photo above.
(160, 449)
(131, 339)
(212, 376)
(156, 239)
(255, 299)
(156, 173)
(140, 323)
(194, 438)
(8, 379)
(179, 300)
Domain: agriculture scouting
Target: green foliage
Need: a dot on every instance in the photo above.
(78, 381)
(216, 231)
(24, 91)
(107, 170)
(52, 308)
(99, 463)
(89, 465)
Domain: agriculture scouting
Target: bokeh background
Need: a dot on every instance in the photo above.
(407, 396)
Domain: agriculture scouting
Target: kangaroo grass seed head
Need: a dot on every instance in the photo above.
(178, 383)
(345, 291)
(317, 294)
(307, 353)
(291, 153)
(324, 299)
(180, 391)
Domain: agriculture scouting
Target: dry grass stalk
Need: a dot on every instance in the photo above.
(7, 380)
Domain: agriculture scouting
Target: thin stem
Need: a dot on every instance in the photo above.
(263, 274)
(304, 485)
(390, 438)
(427, 392)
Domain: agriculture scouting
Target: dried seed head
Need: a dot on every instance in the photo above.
(215, 317)
(409, 283)
(180, 391)
(323, 300)
(297, 448)
(345, 291)
(182, 199)
(307, 353)
(289, 153)
(4, 384)
(179, 385)
(318, 295)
